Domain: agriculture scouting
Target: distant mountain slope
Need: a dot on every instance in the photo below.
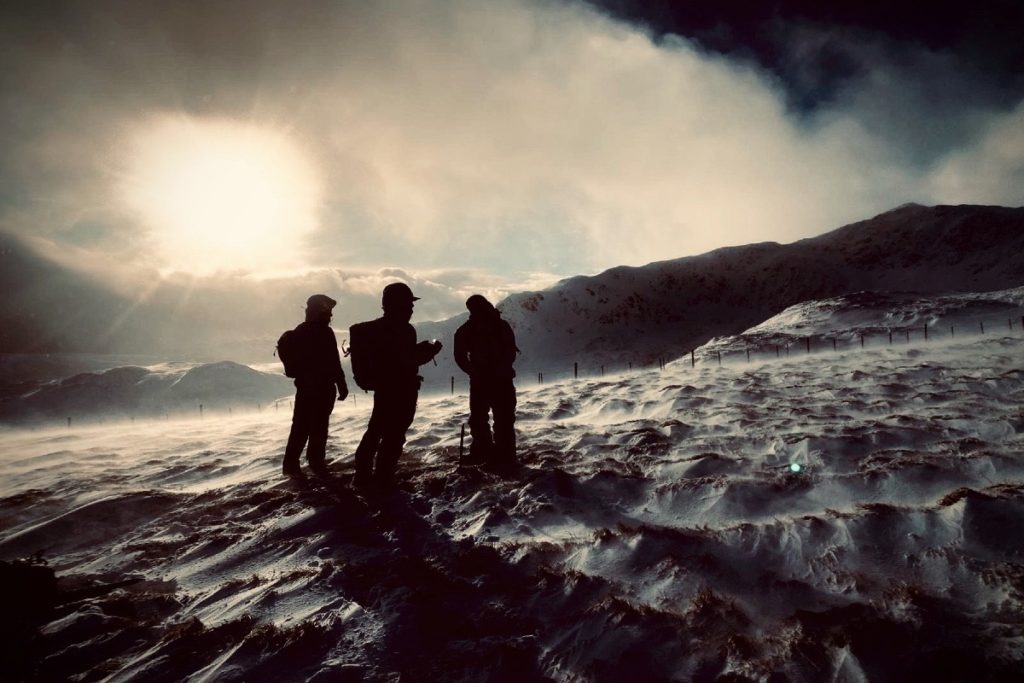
(639, 314)
(624, 315)
(131, 391)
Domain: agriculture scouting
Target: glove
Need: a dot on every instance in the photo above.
(342, 391)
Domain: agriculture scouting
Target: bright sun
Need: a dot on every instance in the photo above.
(221, 194)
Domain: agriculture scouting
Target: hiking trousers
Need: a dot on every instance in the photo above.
(498, 396)
(310, 420)
(377, 455)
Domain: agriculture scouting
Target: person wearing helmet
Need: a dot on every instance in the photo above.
(396, 387)
(485, 349)
(319, 380)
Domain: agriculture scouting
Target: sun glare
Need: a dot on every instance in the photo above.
(221, 195)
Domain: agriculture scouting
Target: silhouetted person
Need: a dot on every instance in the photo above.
(319, 380)
(395, 383)
(485, 349)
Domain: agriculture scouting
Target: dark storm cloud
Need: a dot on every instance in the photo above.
(984, 37)
(920, 76)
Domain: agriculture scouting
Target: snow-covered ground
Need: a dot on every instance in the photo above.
(840, 516)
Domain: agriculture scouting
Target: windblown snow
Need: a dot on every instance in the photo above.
(840, 515)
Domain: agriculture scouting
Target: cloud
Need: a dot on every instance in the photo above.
(508, 137)
(991, 171)
(245, 305)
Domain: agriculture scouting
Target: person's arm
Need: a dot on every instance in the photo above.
(337, 371)
(510, 343)
(424, 351)
(461, 352)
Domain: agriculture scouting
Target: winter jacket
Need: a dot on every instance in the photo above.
(485, 347)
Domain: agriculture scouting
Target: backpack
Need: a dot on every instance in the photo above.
(364, 354)
(289, 352)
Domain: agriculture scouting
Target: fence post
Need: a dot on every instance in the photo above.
(926, 333)
(890, 337)
(834, 344)
(808, 340)
(862, 341)
(576, 370)
(540, 378)
(693, 361)
(602, 371)
(982, 324)
(952, 330)
(748, 354)
(908, 336)
(69, 423)
(719, 357)
(453, 385)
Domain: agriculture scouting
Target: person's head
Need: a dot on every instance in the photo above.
(320, 308)
(479, 306)
(397, 300)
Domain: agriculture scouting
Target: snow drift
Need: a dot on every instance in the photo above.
(833, 516)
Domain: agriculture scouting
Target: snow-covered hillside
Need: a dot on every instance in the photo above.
(108, 390)
(875, 318)
(843, 516)
(663, 310)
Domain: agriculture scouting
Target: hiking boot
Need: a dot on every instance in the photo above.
(385, 486)
(363, 482)
(292, 469)
(503, 467)
(473, 460)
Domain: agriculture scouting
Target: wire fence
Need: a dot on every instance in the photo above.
(760, 347)
(730, 350)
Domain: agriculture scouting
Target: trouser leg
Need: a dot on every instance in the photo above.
(479, 419)
(299, 431)
(504, 402)
(398, 412)
(319, 422)
(370, 443)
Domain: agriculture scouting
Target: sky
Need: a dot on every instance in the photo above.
(487, 146)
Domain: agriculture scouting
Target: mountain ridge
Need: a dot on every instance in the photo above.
(640, 314)
(625, 314)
